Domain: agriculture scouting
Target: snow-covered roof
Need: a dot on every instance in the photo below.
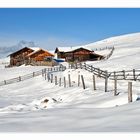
(68, 49)
(52, 51)
(22, 49)
(34, 52)
(38, 51)
(35, 48)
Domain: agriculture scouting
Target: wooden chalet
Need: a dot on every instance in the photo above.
(20, 57)
(30, 56)
(41, 57)
(77, 54)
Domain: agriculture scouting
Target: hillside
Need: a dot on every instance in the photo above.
(73, 109)
(126, 54)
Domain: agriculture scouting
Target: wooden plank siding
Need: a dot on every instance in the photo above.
(27, 56)
(38, 58)
(39, 55)
(19, 57)
(80, 54)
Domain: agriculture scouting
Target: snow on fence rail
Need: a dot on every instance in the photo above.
(133, 75)
(90, 68)
(33, 74)
(130, 75)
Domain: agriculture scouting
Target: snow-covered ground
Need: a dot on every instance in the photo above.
(73, 109)
(126, 54)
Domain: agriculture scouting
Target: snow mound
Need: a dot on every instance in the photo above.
(43, 103)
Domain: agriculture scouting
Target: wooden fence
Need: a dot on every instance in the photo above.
(90, 68)
(33, 74)
(111, 52)
(106, 48)
(116, 75)
(130, 75)
(133, 75)
(103, 48)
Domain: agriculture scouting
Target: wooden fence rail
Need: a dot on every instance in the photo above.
(133, 74)
(34, 74)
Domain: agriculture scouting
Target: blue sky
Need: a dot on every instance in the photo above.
(50, 28)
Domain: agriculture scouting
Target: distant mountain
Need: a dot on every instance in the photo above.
(4, 51)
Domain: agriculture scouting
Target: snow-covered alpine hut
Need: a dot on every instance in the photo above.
(29, 55)
(77, 54)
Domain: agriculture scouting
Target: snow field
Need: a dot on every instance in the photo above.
(73, 109)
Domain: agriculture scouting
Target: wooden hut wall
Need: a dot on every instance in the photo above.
(61, 54)
(40, 55)
(20, 56)
(78, 55)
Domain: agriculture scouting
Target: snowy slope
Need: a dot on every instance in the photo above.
(73, 109)
(126, 53)
(69, 109)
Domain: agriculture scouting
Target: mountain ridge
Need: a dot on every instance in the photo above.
(5, 51)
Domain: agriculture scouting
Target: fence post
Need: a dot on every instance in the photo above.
(5, 82)
(82, 78)
(55, 80)
(48, 76)
(19, 78)
(129, 92)
(94, 83)
(69, 80)
(60, 81)
(51, 78)
(85, 66)
(106, 81)
(33, 74)
(91, 68)
(76, 65)
(42, 72)
(115, 84)
(80, 65)
(45, 73)
(134, 74)
(98, 72)
(124, 74)
(64, 82)
(78, 80)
